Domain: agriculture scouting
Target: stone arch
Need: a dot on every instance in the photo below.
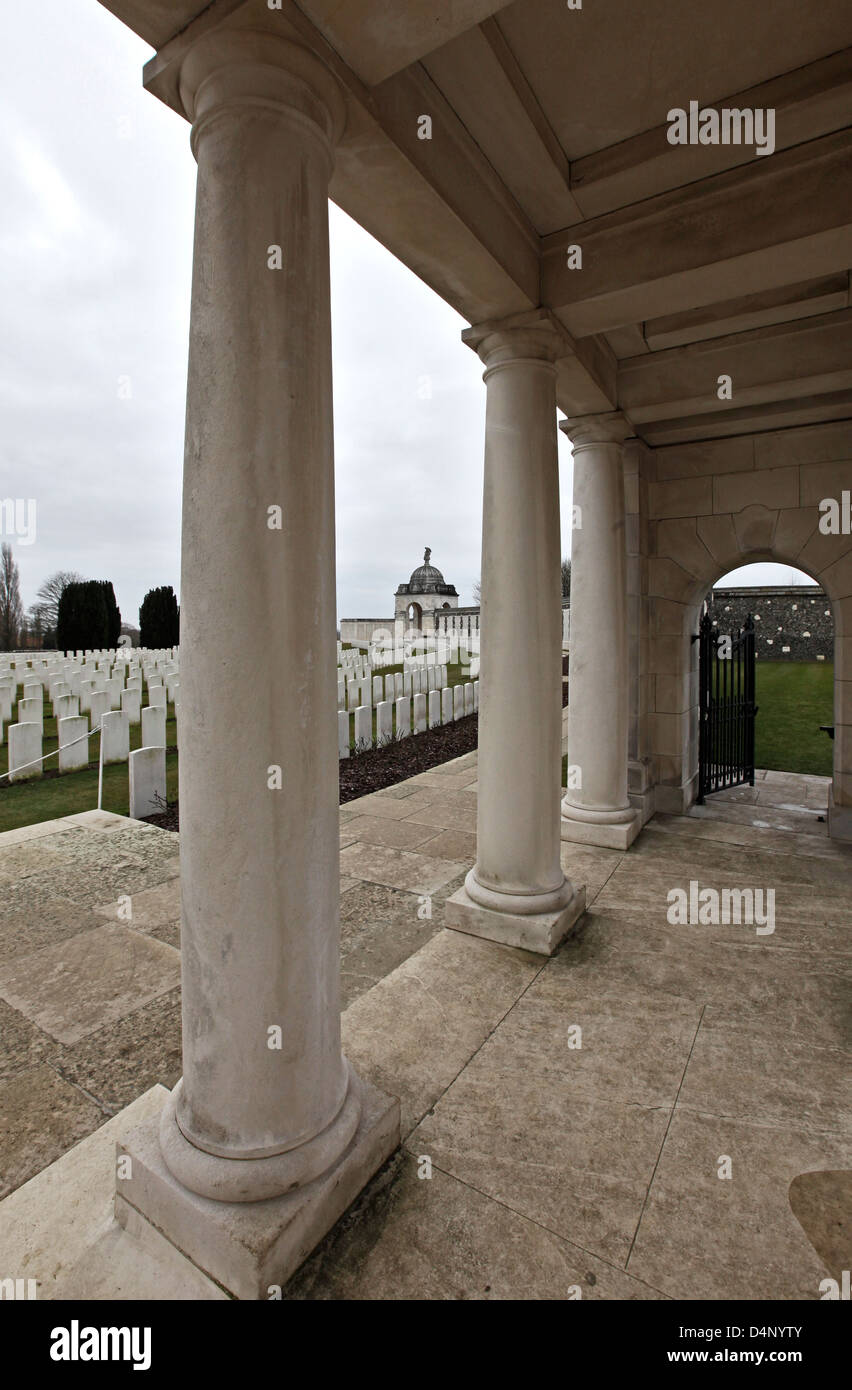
(414, 615)
(688, 556)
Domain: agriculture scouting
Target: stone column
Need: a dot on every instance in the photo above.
(267, 1104)
(517, 892)
(596, 809)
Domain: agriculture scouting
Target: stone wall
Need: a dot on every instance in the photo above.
(791, 624)
(355, 630)
(696, 511)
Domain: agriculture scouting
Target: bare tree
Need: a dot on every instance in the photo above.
(566, 582)
(51, 592)
(11, 608)
(566, 577)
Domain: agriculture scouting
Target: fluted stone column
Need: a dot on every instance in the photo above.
(517, 892)
(596, 809)
(267, 1104)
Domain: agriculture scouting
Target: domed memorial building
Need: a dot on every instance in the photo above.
(425, 593)
(417, 605)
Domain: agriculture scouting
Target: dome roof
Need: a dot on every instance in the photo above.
(426, 574)
(426, 579)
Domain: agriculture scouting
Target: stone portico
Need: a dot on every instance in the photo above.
(564, 1164)
(700, 351)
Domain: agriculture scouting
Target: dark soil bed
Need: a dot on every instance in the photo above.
(384, 767)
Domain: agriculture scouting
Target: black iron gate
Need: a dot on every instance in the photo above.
(726, 707)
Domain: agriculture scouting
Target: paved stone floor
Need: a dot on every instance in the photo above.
(555, 1169)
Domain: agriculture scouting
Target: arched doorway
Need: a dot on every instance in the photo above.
(670, 732)
(767, 643)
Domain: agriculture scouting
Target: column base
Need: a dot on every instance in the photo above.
(541, 932)
(839, 819)
(248, 1247)
(608, 834)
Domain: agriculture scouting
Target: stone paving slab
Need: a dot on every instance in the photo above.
(554, 1168)
(58, 1228)
(702, 1236)
(436, 1239)
(40, 1116)
(397, 868)
(98, 976)
(417, 1029)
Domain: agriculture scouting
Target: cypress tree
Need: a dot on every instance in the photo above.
(85, 619)
(159, 618)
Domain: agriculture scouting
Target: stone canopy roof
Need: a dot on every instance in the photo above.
(426, 579)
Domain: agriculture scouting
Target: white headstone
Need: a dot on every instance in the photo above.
(342, 734)
(154, 726)
(24, 747)
(476, 695)
(434, 708)
(31, 711)
(363, 728)
(419, 714)
(447, 705)
(468, 697)
(157, 696)
(65, 707)
(403, 716)
(70, 729)
(98, 706)
(384, 722)
(458, 702)
(378, 689)
(131, 704)
(115, 732)
(147, 782)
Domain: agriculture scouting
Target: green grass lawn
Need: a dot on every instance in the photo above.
(45, 798)
(793, 699)
(456, 675)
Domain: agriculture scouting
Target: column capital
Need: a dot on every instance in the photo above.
(534, 335)
(245, 70)
(584, 431)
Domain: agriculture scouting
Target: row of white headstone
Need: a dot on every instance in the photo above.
(91, 692)
(361, 662)
(396, 719)
(372, 690)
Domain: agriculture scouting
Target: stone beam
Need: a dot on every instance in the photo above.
(713, 240)
(752, 419)
(436, 204)
(783, 362)
(157, 21)
(377, 38)
(808, 102)
(749, 311)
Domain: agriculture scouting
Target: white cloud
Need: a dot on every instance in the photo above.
(99, 187)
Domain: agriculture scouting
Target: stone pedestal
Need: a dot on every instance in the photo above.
(269, 1134)
(598, 810)
(517, 892)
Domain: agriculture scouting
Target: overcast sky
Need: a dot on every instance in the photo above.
(95, 247)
